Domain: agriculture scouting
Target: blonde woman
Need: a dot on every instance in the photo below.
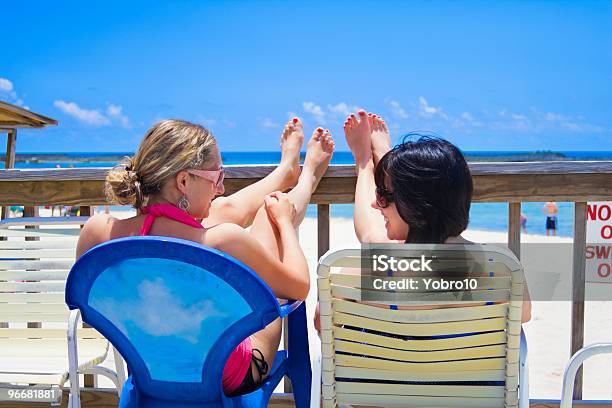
(172, 181)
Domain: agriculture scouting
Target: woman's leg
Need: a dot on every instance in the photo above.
(240, 208)
(318, 154)
(381, 139)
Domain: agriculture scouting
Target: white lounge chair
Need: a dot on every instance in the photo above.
(373, 354)
(34, 347)
(569, 374)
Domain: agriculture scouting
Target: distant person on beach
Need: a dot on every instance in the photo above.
(172, 181)
(524, 223)
(417, 192)
(551, 210)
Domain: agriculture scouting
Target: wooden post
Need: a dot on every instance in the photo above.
(578, 288)
(86, 211)
(9, 161)
(514, 228)
(322, 229)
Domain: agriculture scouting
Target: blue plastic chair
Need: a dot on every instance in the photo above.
(175, 310)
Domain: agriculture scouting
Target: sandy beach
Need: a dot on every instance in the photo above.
(548, 332)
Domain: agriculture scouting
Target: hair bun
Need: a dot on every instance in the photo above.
(123, 185)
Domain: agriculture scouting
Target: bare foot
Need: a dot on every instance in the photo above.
(292, 140)
(358, 132)
(319, 152)
(381, 139)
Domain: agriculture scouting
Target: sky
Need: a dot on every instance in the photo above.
(503, 75)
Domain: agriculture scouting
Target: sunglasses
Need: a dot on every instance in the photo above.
(384, 197)
(215, 176)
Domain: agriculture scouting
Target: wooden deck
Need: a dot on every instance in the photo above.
(108, 399)
(577, 182)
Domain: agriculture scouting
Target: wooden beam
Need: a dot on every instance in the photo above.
(578, 288)
(493, 182)
(11, 143)
(514, 228)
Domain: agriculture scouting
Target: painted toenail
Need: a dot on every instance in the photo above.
(295, 120)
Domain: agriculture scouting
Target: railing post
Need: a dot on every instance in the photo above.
(578, 288)
(9, 162)
(514, 228)
(322, 229)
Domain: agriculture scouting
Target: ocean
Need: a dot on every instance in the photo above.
(483, 216)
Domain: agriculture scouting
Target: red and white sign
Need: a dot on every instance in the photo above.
(599, 242)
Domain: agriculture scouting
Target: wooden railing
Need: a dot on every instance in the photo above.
(576, 182)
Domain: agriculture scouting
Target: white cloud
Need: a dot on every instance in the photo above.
(466, 120)
(315, 110)
(207, 122)
(342, 108)
(555, 117)
(6, 85)
(397, 109)
(518, 117)
(88, 116)
(267, 123)
(115, 112)
(229, 123)
(113, 115)
(428, 111)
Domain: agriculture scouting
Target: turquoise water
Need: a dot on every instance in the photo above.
(492, 216)
(483, 216)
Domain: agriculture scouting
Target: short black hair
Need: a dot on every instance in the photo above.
(432, 187)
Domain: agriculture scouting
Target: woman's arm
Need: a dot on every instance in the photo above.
(526, 305)
(288, 277)
(369, 222)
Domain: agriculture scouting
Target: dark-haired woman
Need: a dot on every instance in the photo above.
(417, 192)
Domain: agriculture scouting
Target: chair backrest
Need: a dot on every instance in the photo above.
(174, 309)
(36, 254)
(464, 352)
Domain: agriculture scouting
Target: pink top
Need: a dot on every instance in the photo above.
(240, 360)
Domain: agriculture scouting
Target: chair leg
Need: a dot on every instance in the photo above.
(74, 401)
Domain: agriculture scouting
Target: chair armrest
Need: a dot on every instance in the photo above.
(289, 307)
(569, 376)
(523, 373)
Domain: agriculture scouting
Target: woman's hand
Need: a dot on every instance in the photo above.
(279, 208)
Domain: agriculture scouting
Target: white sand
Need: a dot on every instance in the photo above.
(548, 332)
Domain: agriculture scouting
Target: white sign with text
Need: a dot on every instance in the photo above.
(599, 242)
